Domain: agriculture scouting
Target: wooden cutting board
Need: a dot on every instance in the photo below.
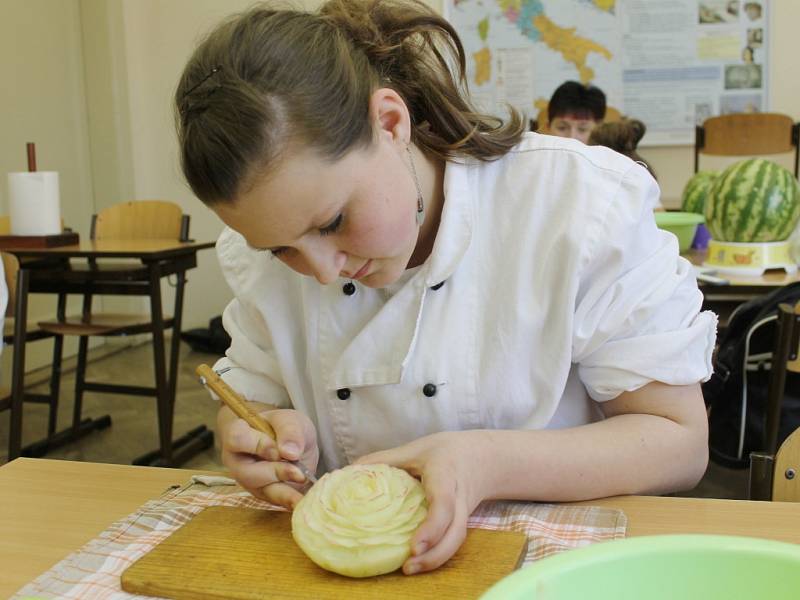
(240, 553)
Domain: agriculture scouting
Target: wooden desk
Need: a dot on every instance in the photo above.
(723, 299)
(50, 271)
(743, 284)
(50, 508)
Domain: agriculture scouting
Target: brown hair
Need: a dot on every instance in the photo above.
(623, 136)
(268, 77)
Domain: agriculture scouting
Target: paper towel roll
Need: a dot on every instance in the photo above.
(33, 203)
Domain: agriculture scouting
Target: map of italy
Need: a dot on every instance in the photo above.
(529, 17)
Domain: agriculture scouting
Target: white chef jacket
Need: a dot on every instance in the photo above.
(549, 288)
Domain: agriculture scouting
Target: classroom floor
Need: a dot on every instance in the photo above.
(133, 431)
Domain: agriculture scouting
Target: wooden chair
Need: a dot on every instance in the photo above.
(775, 472)
(786, 475)
(747, 134)
(140, 220)
(541, 123)
(32, 332)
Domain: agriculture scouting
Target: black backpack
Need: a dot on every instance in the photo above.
(736, 394)
(214, 340)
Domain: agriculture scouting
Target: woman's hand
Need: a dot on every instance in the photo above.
(256, 461)
(451, 466)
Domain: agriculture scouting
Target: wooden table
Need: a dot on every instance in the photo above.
(723, 299)
(59, 271)
(743, 284)
(50, 508)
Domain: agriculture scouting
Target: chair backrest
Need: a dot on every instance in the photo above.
(10, 268)
(747, 134)
(786, 478)
(542, 121)
(142, 219)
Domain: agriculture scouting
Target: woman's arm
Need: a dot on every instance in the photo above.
(653, 441)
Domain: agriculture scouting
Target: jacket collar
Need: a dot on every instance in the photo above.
(379, 351)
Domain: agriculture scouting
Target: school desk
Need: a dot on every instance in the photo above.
(50, 508)
(723, 299)
(144, 263)
(742, 285)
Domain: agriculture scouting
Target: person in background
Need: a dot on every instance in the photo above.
(422, 285)
(752, 10)
(623, 137)
(575, 109)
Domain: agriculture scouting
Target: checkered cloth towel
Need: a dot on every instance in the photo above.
(94, 571)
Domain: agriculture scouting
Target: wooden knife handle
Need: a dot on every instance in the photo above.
(233, 400)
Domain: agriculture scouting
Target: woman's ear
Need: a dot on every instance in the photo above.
(389, 116)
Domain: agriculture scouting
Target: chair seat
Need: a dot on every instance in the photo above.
(32, 331)
(101, 324)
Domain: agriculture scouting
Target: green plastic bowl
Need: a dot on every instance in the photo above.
(661, 567)
(682, 224)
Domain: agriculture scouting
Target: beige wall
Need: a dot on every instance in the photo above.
(43, 100)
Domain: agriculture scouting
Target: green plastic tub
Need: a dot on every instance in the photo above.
(682, 224)
(663, 567)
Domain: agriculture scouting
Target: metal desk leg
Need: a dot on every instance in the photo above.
(171, 453)
(18, 369)
(175, 345)
(162, 385)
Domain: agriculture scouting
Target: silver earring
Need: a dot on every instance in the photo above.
(420, 202)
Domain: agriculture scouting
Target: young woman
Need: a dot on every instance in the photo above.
(421, 285)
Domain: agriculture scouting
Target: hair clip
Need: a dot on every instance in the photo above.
(213, 72)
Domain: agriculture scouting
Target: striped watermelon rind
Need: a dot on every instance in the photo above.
(754, 200)
(693, 198)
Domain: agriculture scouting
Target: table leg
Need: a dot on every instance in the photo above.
(171, 453)
(175, 345)
(18, 369)
(159, 358)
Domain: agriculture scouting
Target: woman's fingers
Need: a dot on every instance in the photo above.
(440, 489)
(447, 546)
(255, 474)
(239, 437)
(259, 463)
(290, 430)
(404, 457)
(280, 494)
(275, 482)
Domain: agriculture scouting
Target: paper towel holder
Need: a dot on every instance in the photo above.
(30, 147)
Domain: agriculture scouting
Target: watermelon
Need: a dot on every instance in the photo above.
(693, 199)
(753, 200)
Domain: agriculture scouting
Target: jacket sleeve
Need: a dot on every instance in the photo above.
(254, 369)
(637, 314)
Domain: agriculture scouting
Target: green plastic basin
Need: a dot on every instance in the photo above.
(663, 567)
(682, 224)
